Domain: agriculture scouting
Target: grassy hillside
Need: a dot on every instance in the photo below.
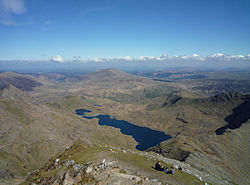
(121, 164)
(37, 124)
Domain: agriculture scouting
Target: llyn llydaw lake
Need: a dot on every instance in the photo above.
(145, 137)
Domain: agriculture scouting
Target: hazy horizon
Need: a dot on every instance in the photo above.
(133, 65)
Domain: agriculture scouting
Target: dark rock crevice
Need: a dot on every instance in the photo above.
(240, 115)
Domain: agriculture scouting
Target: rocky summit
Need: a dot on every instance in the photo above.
(113, 165)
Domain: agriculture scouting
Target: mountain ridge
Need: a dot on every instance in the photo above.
(20, 81)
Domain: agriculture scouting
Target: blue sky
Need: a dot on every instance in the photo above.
(39, 29)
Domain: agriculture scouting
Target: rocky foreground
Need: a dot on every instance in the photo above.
(81, 164)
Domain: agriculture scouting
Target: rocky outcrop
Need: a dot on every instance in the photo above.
(170, 152)
(228, 96)
(71, 173)
(217, 99)
(171, 100)
(62, 170)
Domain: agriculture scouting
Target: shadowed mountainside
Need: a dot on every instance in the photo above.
(23, 82)
(240, 115)
(196, 141)
(3, 84)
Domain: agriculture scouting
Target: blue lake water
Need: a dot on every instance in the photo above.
(145, 137)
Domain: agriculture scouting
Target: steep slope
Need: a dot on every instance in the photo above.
(23, 82)
(26, 134)
(226, 155)
(3, 84)
(210, 135)
(31, 133)
(83, 164)
(239, 116)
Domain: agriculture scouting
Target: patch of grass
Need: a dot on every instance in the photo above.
(42, 174)
(47, 172)
(147, 164)
(185, 177)
(135, 159)
(50, 173)
(157, 92)
(14, 165)
(84, 155)
(70, 103)
(122, 171)
(18, 113)
(233, 183)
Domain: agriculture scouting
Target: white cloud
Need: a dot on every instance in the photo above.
(192, 57)
(57, 58)
(143, 58)
(220, 57)
(9, 7)
(13, 6)
(128, 58)
(238, 57)
(97, 60)
(217, 55)
(224, 57)
(184, 57)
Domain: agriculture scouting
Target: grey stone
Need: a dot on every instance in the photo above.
(89, 169)
(154, 180)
